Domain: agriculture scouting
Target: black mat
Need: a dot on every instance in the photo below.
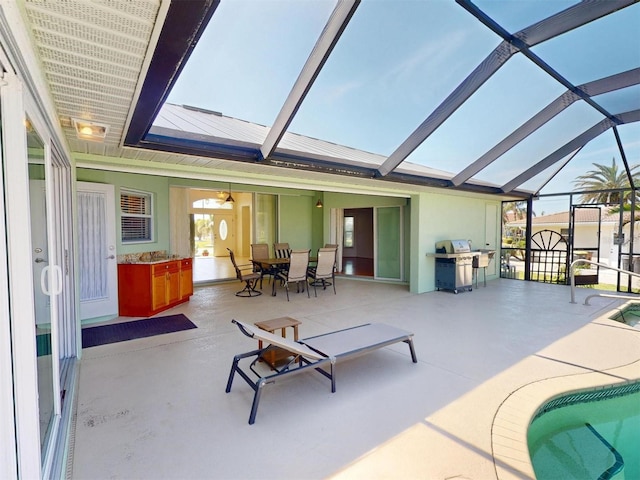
(148, 327)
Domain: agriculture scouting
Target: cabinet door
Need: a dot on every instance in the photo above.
(173, 282)
(159, 289)
(186, 279)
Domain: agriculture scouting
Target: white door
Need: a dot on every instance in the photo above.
(97, 264)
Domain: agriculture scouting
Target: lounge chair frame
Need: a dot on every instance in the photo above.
(307, 354)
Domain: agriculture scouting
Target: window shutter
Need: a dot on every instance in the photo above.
(136, 216)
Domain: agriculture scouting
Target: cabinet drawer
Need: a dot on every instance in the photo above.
(162, 268)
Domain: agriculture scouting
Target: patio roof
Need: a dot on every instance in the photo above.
(527, 99)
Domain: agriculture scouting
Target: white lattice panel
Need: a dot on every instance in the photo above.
(92, 53)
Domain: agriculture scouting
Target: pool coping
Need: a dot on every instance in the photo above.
(514, 415)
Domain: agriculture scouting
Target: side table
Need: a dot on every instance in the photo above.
(277, 354)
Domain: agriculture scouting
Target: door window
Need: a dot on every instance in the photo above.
(223, 229)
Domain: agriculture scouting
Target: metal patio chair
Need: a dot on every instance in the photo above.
(324, 270)
(260, 251)
(281, 250)
(249, 277)
(298, 263)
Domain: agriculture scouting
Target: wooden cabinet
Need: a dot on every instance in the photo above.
(186, 278)
(145, 289)
(166, 284)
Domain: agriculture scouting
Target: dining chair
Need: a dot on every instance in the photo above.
(324, 270)
(298, 263)
(260, 251)
(335, 247)
(249, 277)
(281, 250)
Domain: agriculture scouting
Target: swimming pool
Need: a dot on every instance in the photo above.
(629, 314)
(593, 434)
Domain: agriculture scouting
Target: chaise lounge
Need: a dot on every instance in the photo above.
(320, 353)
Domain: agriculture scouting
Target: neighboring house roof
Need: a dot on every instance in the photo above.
(583, 215)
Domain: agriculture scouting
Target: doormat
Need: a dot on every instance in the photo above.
(121, 332)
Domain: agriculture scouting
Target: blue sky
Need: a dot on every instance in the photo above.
(397, 61)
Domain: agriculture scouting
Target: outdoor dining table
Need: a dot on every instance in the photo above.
(276, 265)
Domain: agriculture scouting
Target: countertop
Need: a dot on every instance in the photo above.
(454, 255)
(151, 262)
(472, 253)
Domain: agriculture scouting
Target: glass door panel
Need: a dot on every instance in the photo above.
(388, 234)
(42, 280)
(265, 219)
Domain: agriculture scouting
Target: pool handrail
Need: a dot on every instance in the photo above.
(603, 265)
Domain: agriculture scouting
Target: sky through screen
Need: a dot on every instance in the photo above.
(397, 61)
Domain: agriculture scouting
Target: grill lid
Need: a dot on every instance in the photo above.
(453, 246)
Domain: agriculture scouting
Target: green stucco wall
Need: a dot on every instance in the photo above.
(429, 217)
(295, 215)
(436, 217)
(158, 186)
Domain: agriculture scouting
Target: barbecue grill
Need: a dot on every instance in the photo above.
(457, 264)
(454, 265)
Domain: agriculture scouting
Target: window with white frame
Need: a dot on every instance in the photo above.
(348, 232)
(136, 216)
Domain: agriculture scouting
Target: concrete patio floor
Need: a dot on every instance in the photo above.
(156, 408)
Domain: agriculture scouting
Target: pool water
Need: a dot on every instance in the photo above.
(629, 314)
(592, 436)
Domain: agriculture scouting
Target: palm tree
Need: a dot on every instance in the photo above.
(513, 211)
(203, 227)
(606, 178)
(514, 236)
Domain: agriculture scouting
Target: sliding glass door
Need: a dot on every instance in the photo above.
(265, 207)
(388, 243)
(45, 277)
(38, 334)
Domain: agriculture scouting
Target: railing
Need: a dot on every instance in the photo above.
(602, 265)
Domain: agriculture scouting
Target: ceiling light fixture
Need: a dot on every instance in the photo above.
(86, 130)
(230, 198)
(319, 204)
